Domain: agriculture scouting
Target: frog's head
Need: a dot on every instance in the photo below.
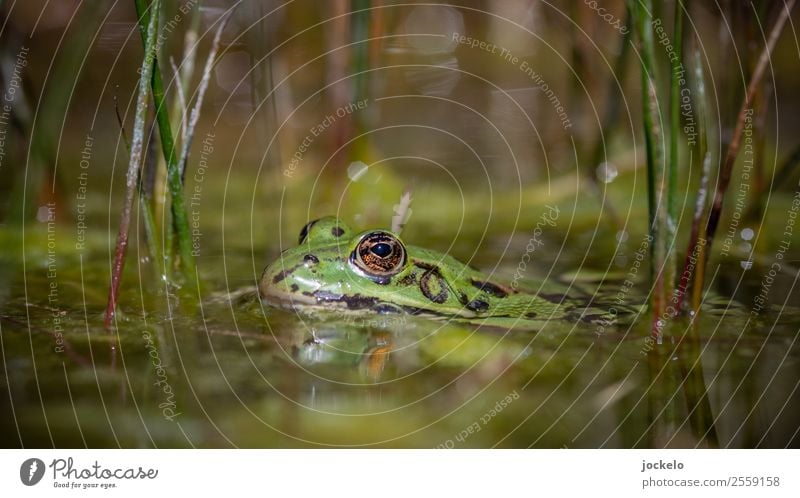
(332, 267)
(331, 264)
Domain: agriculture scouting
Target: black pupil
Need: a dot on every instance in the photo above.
(381, 250)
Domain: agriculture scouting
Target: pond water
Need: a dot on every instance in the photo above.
(212, 367)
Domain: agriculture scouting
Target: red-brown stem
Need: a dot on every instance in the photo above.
(733, 148)
(132, 177)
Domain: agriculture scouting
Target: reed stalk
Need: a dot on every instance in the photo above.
(698, 87)
(180, 221)
(146, 201)
(733, 148)
(676, 77)
(144, 194)
(641, 10)
(201, 92)
(137, 146)
(186, 71)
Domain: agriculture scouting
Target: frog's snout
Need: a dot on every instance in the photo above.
(288, 283)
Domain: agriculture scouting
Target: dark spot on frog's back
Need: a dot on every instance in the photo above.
(337, 231)
(295, 288)
(355, 302)
(310, 259)
(478, 305)
(433, 286)
(283, 274)
(495, 290)
(304, 231)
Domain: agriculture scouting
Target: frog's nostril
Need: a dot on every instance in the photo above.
(310, 259)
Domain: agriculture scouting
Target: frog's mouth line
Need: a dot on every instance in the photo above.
(322, 300)
(285, 300)
(327, 300)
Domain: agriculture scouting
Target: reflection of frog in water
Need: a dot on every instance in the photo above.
(341, 344)
(374, 272)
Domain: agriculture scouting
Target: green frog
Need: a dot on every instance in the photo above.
(334, 268)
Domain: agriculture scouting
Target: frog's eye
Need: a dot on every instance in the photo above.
(379, 254)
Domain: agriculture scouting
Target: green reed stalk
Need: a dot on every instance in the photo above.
(671, 228)
(144, 196)
(180, 221)
(641, 11)
(132, 178)
(698, 87)
(146, 204)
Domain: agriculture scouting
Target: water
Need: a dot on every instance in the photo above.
(225, 371)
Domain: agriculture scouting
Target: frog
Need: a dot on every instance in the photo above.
(334, 268)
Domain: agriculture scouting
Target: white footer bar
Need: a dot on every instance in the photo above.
(388, 473)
